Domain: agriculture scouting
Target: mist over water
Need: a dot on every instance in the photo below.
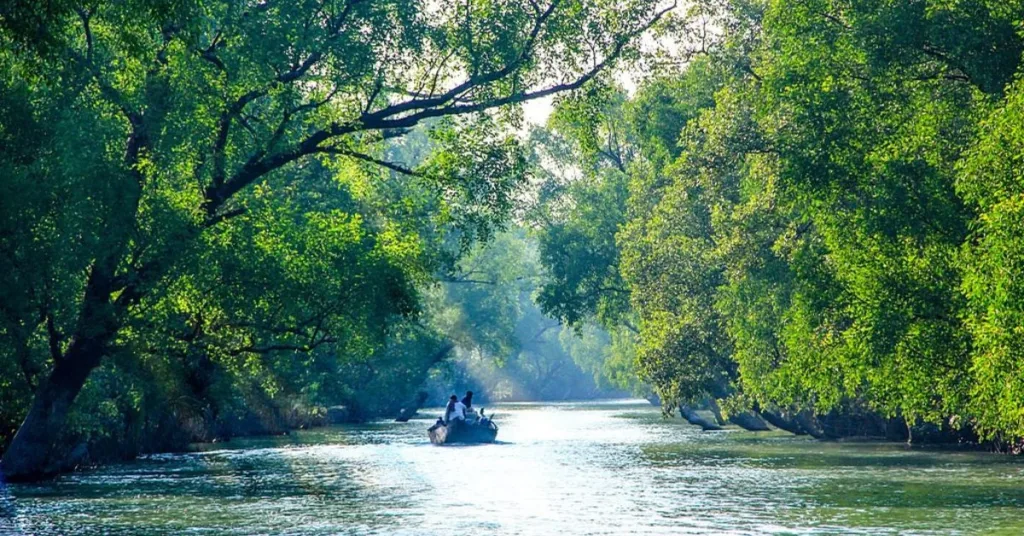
(586, 468)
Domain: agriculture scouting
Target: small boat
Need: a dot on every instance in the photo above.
(481, 431)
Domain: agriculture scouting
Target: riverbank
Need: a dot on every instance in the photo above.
(841, 426)
(256, 428)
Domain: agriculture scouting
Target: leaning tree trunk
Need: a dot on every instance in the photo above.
(749, 421)
(808, 421)
(716, 410)
(30, 455)
(782, 422)
(692, 417)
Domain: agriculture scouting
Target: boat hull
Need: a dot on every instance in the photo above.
(457, 432)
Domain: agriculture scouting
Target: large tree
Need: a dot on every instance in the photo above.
(143, 127)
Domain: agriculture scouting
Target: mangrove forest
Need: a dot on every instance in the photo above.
(228, 219)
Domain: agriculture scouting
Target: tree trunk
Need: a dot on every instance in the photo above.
(30, 455)
(693, 418)
(410, 410)
(716, 410)
(749, 421)
(782, 422)
(896, 429)
(809, 422)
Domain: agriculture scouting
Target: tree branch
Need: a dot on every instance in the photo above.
(367, 158)
(304, 348)
(442, 105)
(84, 16)
(54, 338)
(222, 217)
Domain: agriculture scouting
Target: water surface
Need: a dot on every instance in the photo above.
(591, 468)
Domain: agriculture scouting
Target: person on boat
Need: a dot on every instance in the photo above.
(455, 411)
(449, 409)
(468, 400)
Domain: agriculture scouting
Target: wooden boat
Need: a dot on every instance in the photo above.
(482, 431)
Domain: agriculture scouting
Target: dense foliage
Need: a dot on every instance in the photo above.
(216, 216)
(824, 214)
(202, 205)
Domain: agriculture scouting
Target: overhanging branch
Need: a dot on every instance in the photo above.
(404, 115)
(398, 168)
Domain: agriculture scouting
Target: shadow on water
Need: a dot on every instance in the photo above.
(472, 445)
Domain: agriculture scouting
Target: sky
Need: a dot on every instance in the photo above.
(536, 112)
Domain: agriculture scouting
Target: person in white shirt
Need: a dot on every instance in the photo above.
(456, 411)
(459, 413)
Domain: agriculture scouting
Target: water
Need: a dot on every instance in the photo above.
(596, 468)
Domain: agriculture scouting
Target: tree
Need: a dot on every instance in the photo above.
(157, 124)
(990, 180)
(833, 229)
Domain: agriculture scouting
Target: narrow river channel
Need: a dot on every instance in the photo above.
(559, 469)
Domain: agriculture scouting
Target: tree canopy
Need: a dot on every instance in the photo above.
(820, 216)
(207, 180)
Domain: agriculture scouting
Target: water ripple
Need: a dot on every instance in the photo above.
(602, 468)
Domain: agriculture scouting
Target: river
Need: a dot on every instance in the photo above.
(560, 469)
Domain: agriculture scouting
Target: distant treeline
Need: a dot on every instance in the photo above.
(819, 216)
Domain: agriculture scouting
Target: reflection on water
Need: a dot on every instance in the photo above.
(601, 468)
